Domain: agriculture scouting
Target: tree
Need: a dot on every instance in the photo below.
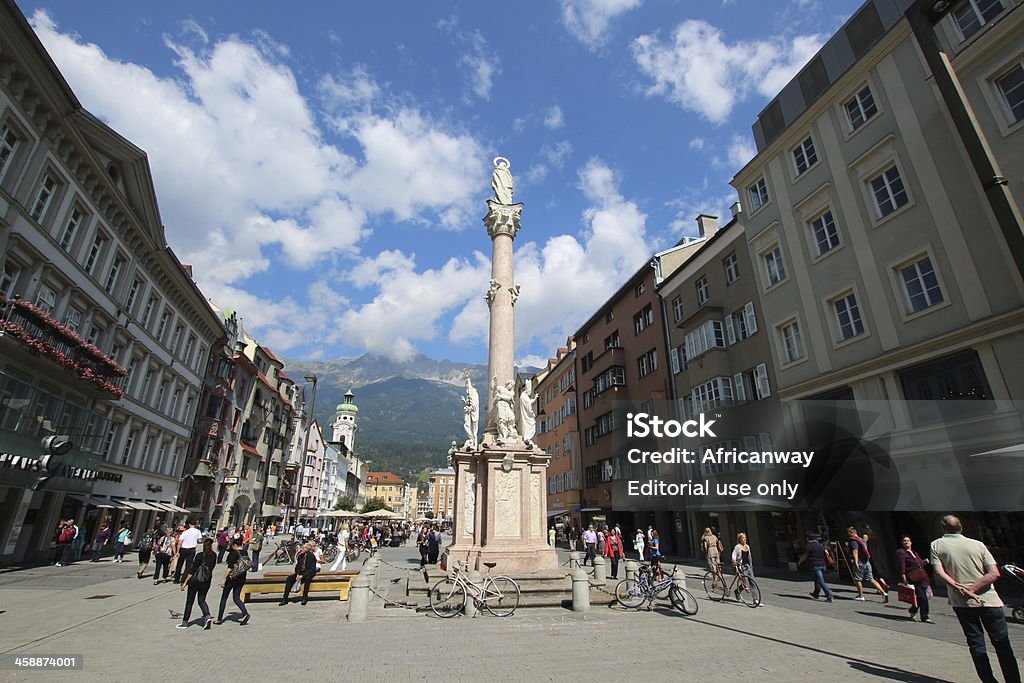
(375, 504)
(429, 514)
(346, 503)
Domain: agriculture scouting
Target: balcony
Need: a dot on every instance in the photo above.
(36, 333)
(210, 426)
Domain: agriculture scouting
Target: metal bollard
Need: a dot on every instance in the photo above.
(574, 559)
(359, 598)
(580, 590)
(631, 567)
(600, 570)
(470, 609)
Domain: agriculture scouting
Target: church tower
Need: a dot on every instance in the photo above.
(345, 423)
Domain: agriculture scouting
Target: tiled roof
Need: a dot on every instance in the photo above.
(383, 478)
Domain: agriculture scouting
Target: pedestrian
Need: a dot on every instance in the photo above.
(222, 544)
(255, 546)
(187, 543)
(912, 571)
(743, 561)
(862, 573)
(234, 578)
(164, 547)
(969, 570)
(124, 538)
(574, 537)
(146, 550)
(433, 545)
(198, 577)
(236, 535)
(424, 547)
(102, 537)
(590, 543)
(305, 570)
(58, 548)
(655, 546)
(639, 543)
(246, 538)
(712, 548)
(314, 548)
(160, 527)
(343, 550)
(551, 536)
(66, 542)
(818, 559)
(614, 551)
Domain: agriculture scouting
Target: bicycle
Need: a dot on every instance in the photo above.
(284, 554)
(330, 553)
(634, 593)
(1017, 573)
(499, 595)
(742, 586)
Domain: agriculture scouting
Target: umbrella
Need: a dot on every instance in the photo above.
(381, 513)
(340, 513)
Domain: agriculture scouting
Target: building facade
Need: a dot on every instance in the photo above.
(558, 434)
(388, 487)
(441, 491)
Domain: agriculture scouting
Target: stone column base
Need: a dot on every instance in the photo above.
(508, 560)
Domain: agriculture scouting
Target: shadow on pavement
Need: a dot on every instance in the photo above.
(891, 617)
(893, 674)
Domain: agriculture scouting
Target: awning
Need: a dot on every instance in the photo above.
(138, 505)
(95, 501)
(555, 513)
(105, 502)
(171, 507)
(159, 506)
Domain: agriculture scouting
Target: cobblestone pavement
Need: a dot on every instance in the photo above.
(103, 612)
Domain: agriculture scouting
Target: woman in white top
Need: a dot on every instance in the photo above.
(342, 549)
(742, 561)
(318, 554)
(639, 543)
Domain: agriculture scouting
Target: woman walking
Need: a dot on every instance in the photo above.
(124, 537)
(234, 579)
(655, 554)
(164, 547)
(197, 581)
(305, 570)
(912, 571)
(711, 545)
(639, 543)
(255, 546)
(613, 550)
(222, 544)
(421, 543)
(742, 560)
(146, 550)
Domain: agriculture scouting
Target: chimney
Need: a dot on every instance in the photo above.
(707, 224)
(736, 209)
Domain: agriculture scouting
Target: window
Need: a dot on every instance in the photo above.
(604, 424)
(200, 359)
(643, 319)
(861, 108)
(732, 268)
(187, 416)
(826, 236)
(703, 291)
(8, 143)
(115, 271)
(741, 324)
(673, 357)
(95, 336)
(677, 309)
(792, 343)
(73, 319)
(94, 253)
(613, 376)
(187, 355)
(74, 220)
(970, 16)
(148, 313)
(147, 450)
(706, 337)
(144, 389)
(752, 385)
(108, 441)
(586, 362)
(158, 466)
(9, 278)
(888, 190)
(944, 389)
(774, 266)
(609, 316)
(43, 196)
(920, 285)
(160, 396)
(758, 194)
(848, 316)
(133, 293)
(46, 299)
(804, 156)
(640, 289)
(1011, 87)
(711, 395)
(610, 342)
(162, 327)
(126, 452)
(648, 362)
(176, 338)
(588, 398)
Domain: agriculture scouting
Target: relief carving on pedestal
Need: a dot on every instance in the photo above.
(535, 506)
(506, 503)
(469, 504)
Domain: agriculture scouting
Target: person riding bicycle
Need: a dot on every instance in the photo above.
(741, 560)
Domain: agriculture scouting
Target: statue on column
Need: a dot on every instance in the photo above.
(504, 410)
(501, 181)
(528, 413)
(471, 412)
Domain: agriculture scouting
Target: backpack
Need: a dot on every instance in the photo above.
(201, 572)
(127, 538)
(242, 565)
(66, 535)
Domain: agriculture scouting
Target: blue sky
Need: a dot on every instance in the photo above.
(324, 165)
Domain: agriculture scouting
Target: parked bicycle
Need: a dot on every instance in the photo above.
(742, 586)
(645, 588)
(1017, 573)
(284, 553)
(499, 595)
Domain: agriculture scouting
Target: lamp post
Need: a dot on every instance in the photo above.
(297, 490)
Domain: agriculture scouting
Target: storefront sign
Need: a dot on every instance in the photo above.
(20, 462)
(230, 480)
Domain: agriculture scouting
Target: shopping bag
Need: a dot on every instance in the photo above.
(907, 594)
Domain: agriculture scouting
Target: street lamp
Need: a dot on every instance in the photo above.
(297, 495)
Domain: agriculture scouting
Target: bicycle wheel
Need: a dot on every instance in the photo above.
(447, 598)
(501, 596)
(683, 600)
(281, 558)
(751, 595)
(1018, 615)
(714, 585)
(629, 593)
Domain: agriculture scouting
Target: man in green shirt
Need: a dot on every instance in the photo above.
(969, 571)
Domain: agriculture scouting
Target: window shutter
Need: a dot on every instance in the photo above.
(730, 331)
(674, 359)
(741, 393)
(761, 381)
(748, 312)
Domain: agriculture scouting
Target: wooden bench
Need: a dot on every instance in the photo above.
(275, 583)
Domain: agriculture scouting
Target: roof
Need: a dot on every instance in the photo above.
(383, 478)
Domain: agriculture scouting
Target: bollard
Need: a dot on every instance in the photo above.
(631, 567)
(470, 610)
(574, 559)
(600, 571)
(679, 580)
(580, 590)
(359, 598)
(371, 569)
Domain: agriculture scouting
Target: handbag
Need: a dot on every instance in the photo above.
(907, 594)
(917, 575)
(242, 565)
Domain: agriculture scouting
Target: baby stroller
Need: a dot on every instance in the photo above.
(1017, 573)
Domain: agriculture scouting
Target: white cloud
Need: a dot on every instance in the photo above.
(554, 118)
(533, 361)
(741, 150)
(483, 66)
(550, 156)
(697, 143)
(589, 20)
(698, 70)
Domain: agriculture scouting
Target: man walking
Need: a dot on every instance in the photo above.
(190, 538)
(862, 573)
(590, 543)
(65, 541)
(102, 538)
(970, 571)
(817, 557)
